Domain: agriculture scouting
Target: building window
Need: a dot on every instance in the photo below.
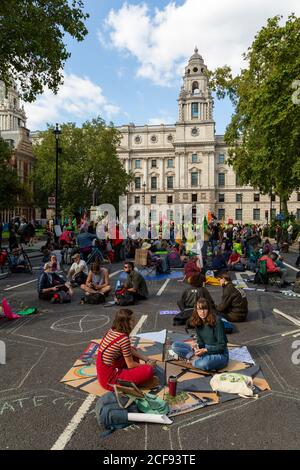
(298, 197)
(298, 215)
(194, 197)
(170, 163)
(170, 182)
(221, 214)
(137, 182)
(195, 110)
(137, 199)
(194, 158)
(221, 158)
(137, 163)
(273, 197)
(194, 179)
(153, 199)
(137, 139)
(153, 182)
(239, 197)
(170, 199)
(221, 179)
(256, 214)
(195, 88)
(238, 214)
(256, 197)
(153, 138)
(170, 215)
(137, 214)
(221, 197)
(153, 163)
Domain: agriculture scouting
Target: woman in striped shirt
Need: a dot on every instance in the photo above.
(117, 359)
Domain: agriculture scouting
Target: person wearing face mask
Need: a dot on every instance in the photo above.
(210, 351)
(117, 359)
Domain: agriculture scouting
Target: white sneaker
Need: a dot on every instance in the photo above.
(173, 354)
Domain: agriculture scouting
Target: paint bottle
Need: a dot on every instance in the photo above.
(172, 383)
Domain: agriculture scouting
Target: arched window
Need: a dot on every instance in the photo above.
(195, 88)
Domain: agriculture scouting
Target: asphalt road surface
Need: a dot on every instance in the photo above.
(36, 409)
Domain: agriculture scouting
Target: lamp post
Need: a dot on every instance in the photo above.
(56, 132)
(144, 198)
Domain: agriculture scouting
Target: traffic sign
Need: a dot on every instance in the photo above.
(51, 202)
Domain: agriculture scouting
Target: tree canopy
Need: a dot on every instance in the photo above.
(10, 187)
(32, 48)
(264, 132)
(88, 162)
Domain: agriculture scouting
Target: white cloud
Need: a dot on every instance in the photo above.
(162, 119)
(162, 40)
(77, 99)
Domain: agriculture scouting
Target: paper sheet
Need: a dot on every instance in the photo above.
(149, 418)
(241, 354)
(169, 312)
(156, 336)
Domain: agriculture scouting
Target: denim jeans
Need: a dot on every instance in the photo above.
(204, 362)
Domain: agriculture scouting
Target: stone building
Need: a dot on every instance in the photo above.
(13, 130)
(185, 163)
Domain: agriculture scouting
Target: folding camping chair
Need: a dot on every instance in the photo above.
(18, 261)
(141, 261)
(97, 255)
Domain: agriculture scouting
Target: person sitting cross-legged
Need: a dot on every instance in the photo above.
(79, 270)
(135, 283)
(117, 359)
(97, 281)
(210, 351)
(234, 304)
(50, 283)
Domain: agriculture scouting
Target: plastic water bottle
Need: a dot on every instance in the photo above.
(118, 285)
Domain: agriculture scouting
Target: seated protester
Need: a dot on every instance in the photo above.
(55, 266)
(234, 304)
(267, 247)
(192, 266)
(97, 281)
(50, 283)
(210, 351)
(57, 252)
(12, 240)
(174, 258)
(79, 270)
(237, 246)
(85, 242)
(278, 260)
(254, 256)
(117, 360)
(235, 262)
(16, 261)
(218, 262)
(135, 283)
(190, 297)
(194, 292)
(66, 238)
(273, 268)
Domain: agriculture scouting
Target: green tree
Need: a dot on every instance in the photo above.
(88, 161)
(32, 48)
(264, 132)
(11, 190)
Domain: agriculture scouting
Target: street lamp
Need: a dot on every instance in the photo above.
(56, 132)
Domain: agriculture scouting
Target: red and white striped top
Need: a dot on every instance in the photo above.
(121, 348)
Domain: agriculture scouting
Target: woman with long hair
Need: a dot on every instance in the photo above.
(210, 351)
(117, 359)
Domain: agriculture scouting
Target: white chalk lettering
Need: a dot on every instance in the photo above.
(38, 399)
(20, 401)
(6, 407)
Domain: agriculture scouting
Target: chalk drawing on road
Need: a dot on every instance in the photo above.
(80, 323)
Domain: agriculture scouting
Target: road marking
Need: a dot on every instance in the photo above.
(65, 437)
(19, 285)
(288, 317)
(163, 287)
(116, 272)
(138, 325)
(288, 333)
(67, 434)
(291, 267)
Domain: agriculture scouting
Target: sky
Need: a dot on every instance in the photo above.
(129, 67)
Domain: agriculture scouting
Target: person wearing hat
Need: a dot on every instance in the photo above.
(79, 270)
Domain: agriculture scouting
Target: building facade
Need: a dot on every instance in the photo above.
(185, 163)
(13, 130)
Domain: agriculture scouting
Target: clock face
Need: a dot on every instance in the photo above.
(195, 131)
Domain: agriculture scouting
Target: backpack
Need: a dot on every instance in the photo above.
(260, 278)
(123, 297)
(182, 317)
(94, 299)
(61, 297)
(112, 413)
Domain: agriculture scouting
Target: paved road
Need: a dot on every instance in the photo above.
(35, 409)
